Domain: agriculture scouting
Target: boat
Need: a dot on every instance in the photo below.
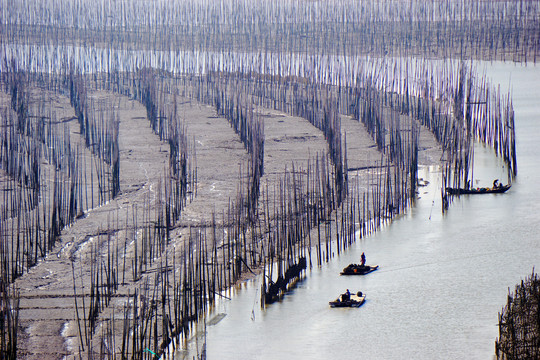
(357, 269)
(352, 300)
(493, 190)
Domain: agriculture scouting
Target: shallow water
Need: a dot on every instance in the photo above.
(442, 279)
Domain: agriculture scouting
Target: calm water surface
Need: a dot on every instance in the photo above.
(442, 279)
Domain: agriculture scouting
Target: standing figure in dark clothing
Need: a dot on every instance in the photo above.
(363, 259)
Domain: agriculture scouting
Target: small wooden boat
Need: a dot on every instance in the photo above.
(356, 269)
(492, 190)
(351, 300)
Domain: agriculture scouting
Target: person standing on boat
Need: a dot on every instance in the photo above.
(363, 259)
(496, 183)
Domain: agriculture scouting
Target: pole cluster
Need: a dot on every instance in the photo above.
(149, 273)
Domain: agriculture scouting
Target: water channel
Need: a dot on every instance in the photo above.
(442, 278)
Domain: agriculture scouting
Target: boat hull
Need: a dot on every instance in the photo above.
(495, 190)
(355, 269)
(354, 301)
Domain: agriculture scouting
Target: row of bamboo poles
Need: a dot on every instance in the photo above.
(9, 316)
(40, 153)
(464, 29)
(166, 122)
(519, 322)
(145, 240)
(52, 180)
(455, 104)
(439, 89)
